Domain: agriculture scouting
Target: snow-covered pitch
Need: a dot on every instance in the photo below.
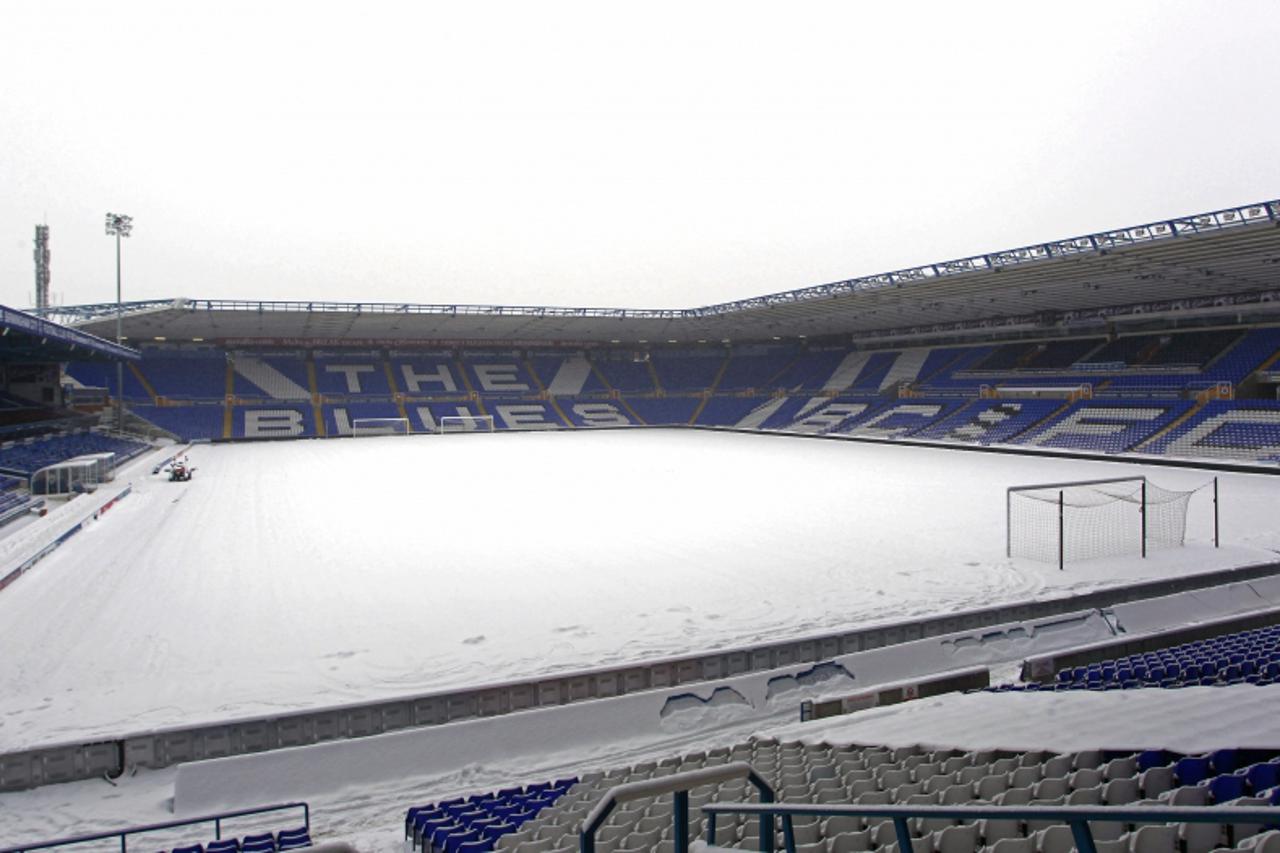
(302, 574)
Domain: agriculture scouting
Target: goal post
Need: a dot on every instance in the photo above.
(466, 423)
(361, 427)
(1086, 519)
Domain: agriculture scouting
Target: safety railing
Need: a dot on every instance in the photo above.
(123, 834)
(1076, 817)
(678, 784)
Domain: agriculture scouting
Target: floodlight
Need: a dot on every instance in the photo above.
(119, 225)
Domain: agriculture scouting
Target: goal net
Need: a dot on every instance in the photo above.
(1082, 520)
(466, 423)
(379, 426)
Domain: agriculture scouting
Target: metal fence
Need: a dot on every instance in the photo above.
(124, 834)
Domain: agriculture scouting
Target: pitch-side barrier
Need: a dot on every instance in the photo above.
(20, 553)
(1044, 668)
(165, 747)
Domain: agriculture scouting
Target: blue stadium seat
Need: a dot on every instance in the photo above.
(1225, 787)
(260, 843)
(292, 839)
(1191, 770)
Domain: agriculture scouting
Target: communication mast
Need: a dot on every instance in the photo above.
(42, 266)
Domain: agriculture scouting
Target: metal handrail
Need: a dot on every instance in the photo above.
(123, 834)
(1077, 817)
(678, 784)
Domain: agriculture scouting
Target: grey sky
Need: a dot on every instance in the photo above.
(654, 154)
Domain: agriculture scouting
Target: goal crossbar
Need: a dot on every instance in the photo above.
(1035, 487)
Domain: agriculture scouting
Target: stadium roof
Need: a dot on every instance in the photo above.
(1225, 261)
(25, 338)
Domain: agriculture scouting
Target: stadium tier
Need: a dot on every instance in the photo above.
(547, 818)
(1239, 657)
(1184, 394)
(28, 456)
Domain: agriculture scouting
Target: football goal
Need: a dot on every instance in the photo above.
(379, 426)
(466, 423)
(1085, 519)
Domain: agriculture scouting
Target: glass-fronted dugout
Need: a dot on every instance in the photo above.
(81, 474)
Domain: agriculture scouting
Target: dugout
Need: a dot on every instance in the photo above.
(83, 473)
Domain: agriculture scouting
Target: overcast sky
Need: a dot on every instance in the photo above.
(646, 155)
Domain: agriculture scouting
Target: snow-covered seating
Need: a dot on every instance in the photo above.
(262, 842)
(1240, 657)
(822, 773)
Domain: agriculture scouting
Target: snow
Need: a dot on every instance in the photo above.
(309, 573)
(1187, 720)
(1203, 605)
(313, 573)
(606, 726)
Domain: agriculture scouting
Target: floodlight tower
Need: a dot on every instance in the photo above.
(118, 226)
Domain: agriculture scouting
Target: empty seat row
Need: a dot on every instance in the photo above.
(1251, 657)
(825, 773)
(474, 824)
(264, 842)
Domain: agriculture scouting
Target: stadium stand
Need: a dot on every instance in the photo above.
(278, 420)
(29, 456)
(619, 372)
(184, 375)
(352, 376)
(756, 368)
(1241, 657)
(991, 421)
(274, 376)
(1150, 391)
(480, 820)
(1239, 429)
(822, 773)
(663, 410)
(682, 372)
(92, 374)
(901, 418)
(189, 423)
(1106, 427)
